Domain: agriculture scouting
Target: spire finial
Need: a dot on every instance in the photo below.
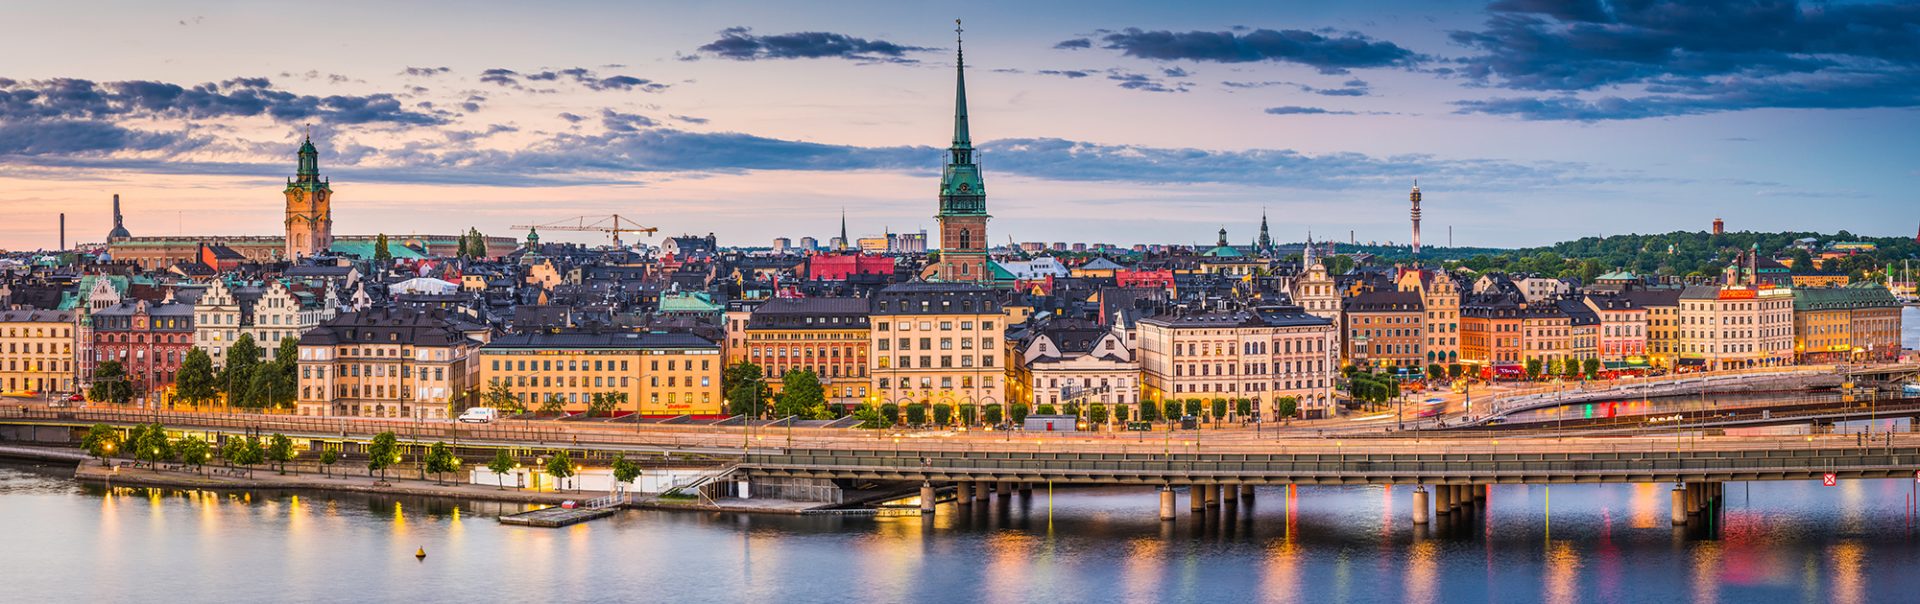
(959, 52)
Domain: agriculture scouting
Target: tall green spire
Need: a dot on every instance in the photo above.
(962, 192)
(962, 139)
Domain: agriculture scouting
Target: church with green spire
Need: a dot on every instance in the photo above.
(309, 207)
(963, 196)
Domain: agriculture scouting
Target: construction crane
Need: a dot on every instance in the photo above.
(612, 225)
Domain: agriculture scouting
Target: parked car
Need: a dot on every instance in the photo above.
(479, 415)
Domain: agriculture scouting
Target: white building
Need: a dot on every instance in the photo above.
(269, 313)
(1263, 354)
(1083, 364)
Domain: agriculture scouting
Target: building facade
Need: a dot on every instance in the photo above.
(937, 343)
(393, 363)
(270, 313)
(1263, 354)
(309, 207)
(660, 374)
(828, 336)
(149, 340)
(1083, 364)
(37, 352)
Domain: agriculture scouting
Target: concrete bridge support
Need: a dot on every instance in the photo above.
(1246, 491)
(1026, 489)
(982, 490)
(1166, 503)
(1197, 498)
(1419, 505)
(963, 492)
(1006, 490)
(1479, 493)
(1442, 500)
(1679, 507)
(1213, 495)
(926, 497)
(1230, 495)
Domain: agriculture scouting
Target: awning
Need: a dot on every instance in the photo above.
(1693, 362)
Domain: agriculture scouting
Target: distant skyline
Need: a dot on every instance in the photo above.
(1526, 121)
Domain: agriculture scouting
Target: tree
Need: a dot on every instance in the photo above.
(560, 467)
(1533, 369)
(1018, 413)
(195, 383)
(800, 390)
(1149, 411)
(1072, 409)
(441, 461)
(111, 384)
(101, 441)
(329, 457)
(1802, 262)
(1435, 371)
(1097, 413)
(1243, 408)
(1219, 409)
(194, 452)
(1045, 409)
(554, 405)
(236, 378)
(150, 443)
(1170, 410)
(501, 463)
(1119, 414)
(1554, 367)
(624, 470)
(604, 403)
(1286, 406)
(500, 396)
(1570, 368)
(969, 414)
(745, 387)
(1592, 367)
(871, 418)
(1454, 371)
(942, 414)
(1193, 407)
(992, 415)
(280, 451)
(243, 452)
(380, 252)
(269, 386)
(382, 452)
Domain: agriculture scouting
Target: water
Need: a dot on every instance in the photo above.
(1601, 543)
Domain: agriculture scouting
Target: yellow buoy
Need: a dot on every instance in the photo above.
(420, 554)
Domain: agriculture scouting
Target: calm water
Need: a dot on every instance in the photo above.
(1781, 542)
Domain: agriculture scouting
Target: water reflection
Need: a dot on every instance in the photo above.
(1788, 541)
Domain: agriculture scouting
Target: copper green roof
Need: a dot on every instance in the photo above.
(1850, 297)
(364, 249)
(688, 302)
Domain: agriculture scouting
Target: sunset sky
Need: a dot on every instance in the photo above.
(1525, 121)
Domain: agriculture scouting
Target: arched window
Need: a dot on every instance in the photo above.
(966, 239)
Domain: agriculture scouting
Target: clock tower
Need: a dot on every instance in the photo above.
(963, 197)
(309, 207)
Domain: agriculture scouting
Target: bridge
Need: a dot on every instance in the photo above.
(1214, 466)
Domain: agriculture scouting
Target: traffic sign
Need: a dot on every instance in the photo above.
(1830, 479)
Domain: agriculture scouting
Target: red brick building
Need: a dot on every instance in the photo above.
(148, 339)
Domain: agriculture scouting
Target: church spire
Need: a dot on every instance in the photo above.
(309, 159)
(962, 139)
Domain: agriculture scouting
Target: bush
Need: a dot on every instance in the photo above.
(917, 414)
(969, 415)
(1193, 407)
(1149, 411)
(1171, 409)
(1120, 414)
(1097, 413)
(1219, 408)
(891, 413)
(942, 414)
(992, 415)
(1018, 413)
(1073, 409)
(1244, 407)
(1286, 406)
(1045, 410)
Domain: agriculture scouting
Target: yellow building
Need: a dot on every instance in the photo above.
(395, 362)
(36, 352)
(827, 336)
(1836, 280)
(661, 374)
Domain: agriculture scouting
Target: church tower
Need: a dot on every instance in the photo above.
(963, 196)
(309, 207)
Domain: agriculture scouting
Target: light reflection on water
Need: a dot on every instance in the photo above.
(1778, 541)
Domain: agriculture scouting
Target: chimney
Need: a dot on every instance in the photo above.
(63, 230)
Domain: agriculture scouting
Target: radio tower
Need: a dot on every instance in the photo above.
(1415, 196)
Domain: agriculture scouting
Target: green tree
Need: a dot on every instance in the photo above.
(554, 405)
(891, 412)
(1171, 409)
(1045, 409)
(1097, 413)
(1570, 368)
(236, 378)
(800, 390)
(500, 465)
(604, 403)
(195, 383)
(111, 384)
(382, 452)
(1219, 409)
(101, 441)
(1018, 413)
(1120, 414)
(270, 385)
(441, 461)
(942, 414)
(194, 452)
(500, 396)
(624, 470)
(1454, 371)
(560, 467)
(280, 451)
(969, 414)
(1801, 260)
(871, 418)
(243, 452)
(1533, 369)
(1286, 406)
(329, 457)
(1149, 411)
(991, 414)
(150, 443)
(1193, 406)
(1592, 368)
(1243, 408)
(1436, 372)
(380, 252)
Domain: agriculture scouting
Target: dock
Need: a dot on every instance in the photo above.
(557, 516)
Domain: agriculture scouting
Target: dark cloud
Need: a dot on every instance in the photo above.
(1654, 58)
(1340, 91)
(1175, 72)
(425, 71)
(615, 121)
(77, 137)
(1251, 85)
(1074, 44)
(741, 44)
(579, 75)
(1066, 73)
(1327, 54)
(572, 118)
(1140, 81)
(503, 77)
(68, 98)
(621, 82)
(689, 119)
(1298, 110)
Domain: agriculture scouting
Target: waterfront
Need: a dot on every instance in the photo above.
(1568, 543)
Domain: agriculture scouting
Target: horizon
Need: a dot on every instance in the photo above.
(1139, 124)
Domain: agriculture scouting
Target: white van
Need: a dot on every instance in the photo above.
(480, 415)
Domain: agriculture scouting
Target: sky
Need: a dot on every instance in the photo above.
(1525, 122)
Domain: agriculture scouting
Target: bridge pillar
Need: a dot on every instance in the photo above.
(1679, 509)
(1197, 498)
(1419, 505)
(1442, 499)
(1230, 495)
(1461, 499)
(1006, 490)
(982, 490)
(1693, 498)
(1026, 489)
(1246, 491)
(1166, 502)
(1213, 494)
(926, 497)
(1480, 493)
(963, 492)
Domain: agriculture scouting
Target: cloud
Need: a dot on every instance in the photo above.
(1351, 87)
(78, 137)
(423, 72)
(741, 44)
(1067, 73)
(1298, 110)
(1644, 59)
(503, 77)
(1074, 44)
(688, 119)
(579, 75)
(615, 121)
(68, 98)
(1327, 54)
(1140, 81)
